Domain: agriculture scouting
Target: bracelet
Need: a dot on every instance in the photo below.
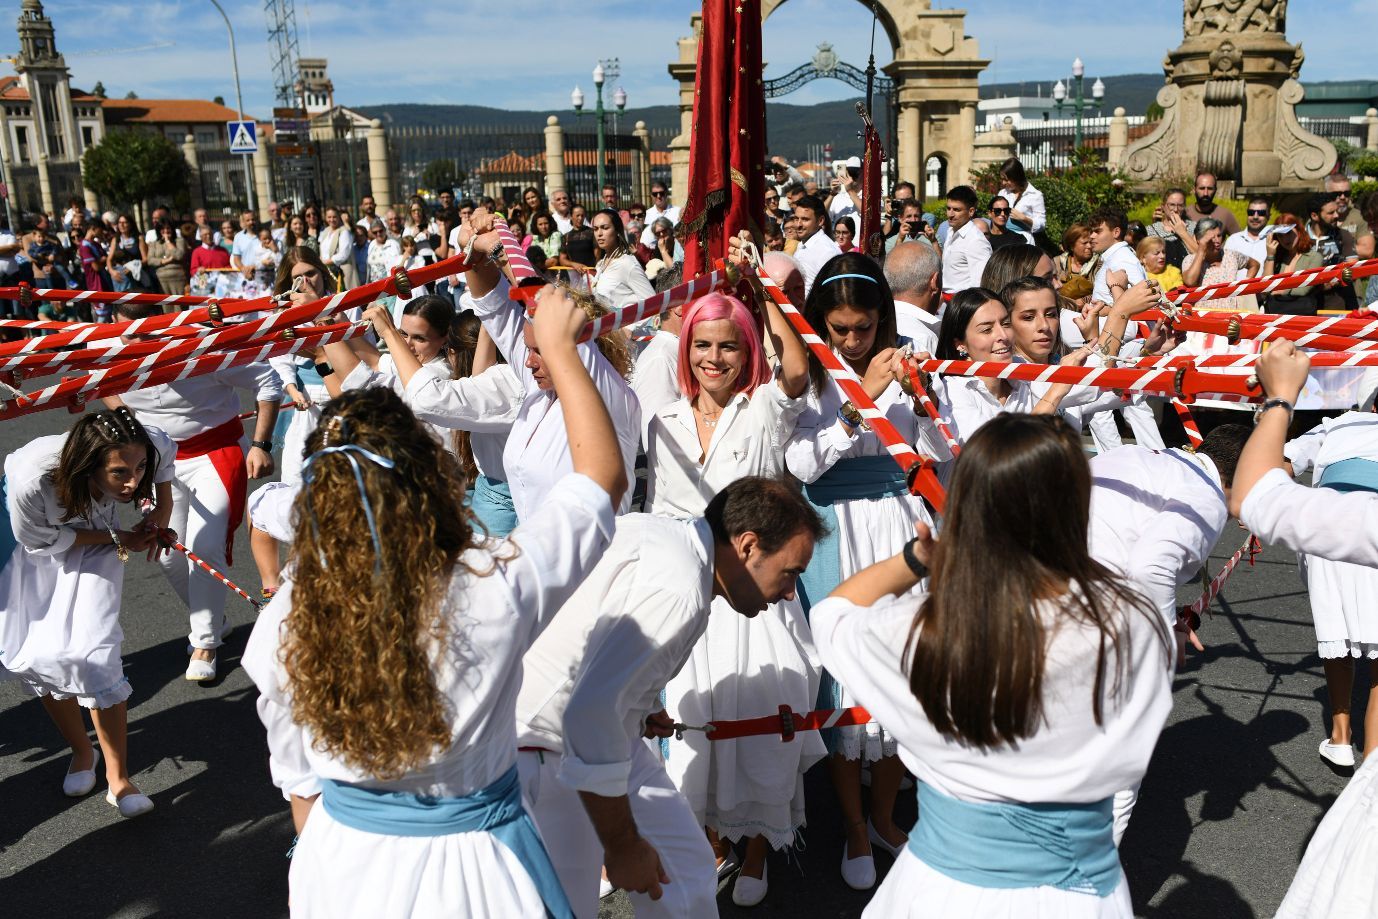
(916, 567)
(265, 445)
(1273, 403)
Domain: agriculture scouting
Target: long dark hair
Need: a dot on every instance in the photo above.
(1013, 170)
(437, 311)
(957, 317)
(83, 455)
(830, 292)
(1010, 262)
(619, 233)
(1014, 531)
(282, 281)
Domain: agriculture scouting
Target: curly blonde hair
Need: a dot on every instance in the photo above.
(358, 649)
(613, 345)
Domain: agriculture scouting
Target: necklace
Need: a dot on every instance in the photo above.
(709, 420)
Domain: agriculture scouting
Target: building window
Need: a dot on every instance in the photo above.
(88, 137)
(207, 138)
(21, 143)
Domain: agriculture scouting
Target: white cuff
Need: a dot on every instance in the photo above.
(607, 779)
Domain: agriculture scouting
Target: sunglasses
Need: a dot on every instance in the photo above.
(999, 210)
(659, 194)
(1254, 213)
(638, 214)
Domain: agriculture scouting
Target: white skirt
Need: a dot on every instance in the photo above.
(869, 530)
(746, 668)
(298, 430)
(1343, 607)
(60, 624)
(338, 872)
(915, 890)
(1338, 876)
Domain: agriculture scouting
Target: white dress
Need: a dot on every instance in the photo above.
(1342, 594)
(740, 667)
(337, 871)
(1070, 760)
(620, 281)
(1335, 878)
(60, 603)
(867, 529)
(363, 377)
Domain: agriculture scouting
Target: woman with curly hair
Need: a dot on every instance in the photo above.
(389, 662)
(62, 554)
(537, 452)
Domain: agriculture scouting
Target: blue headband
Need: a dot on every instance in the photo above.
(308, 475)
(838, 277)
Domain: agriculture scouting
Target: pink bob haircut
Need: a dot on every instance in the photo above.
(713, 307)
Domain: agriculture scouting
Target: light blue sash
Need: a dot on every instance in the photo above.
(1005, 846)
(848, 479)
(496, 809)
(1351, 475)
(491, 502)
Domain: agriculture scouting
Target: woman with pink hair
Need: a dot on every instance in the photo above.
(734, 420)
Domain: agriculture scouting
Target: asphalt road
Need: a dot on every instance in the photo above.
(1235, 789)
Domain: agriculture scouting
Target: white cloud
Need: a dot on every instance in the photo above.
(528, 54)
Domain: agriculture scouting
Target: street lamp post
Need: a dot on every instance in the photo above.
(239, 99)
(600, 114)
(344, 129)
(1079, 104)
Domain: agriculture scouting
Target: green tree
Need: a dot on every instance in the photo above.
(99, 90)
(129, 167)
(439, 174)
(1155, 111)
(131, 95)
(219, 100)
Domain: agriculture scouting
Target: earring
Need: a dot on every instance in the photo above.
(963, 352)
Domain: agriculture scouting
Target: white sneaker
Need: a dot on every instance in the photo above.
(859, 873)
(131, 805)
(199, 671)
(1341, 754)
(749, 891)
(80, 784)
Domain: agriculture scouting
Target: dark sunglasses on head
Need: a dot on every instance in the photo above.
(1254, 213)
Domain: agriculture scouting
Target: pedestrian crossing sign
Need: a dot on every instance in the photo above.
(243, 136)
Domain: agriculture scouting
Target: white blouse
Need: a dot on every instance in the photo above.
(485, 404)
(655, 378)
(365, 377)
(749, 439)
(820, 441)
(1070, 759)
(537, 451)
(964, 404)
(1338, 525)
(493, 617)
(621, 281)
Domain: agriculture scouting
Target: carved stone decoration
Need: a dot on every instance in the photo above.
(1233, 87)
(825, 59)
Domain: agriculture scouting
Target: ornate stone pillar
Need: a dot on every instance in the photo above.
(263, 180)
(554, 156)
(1371, 142)
(89, 198)
(683, 70)
(993, 147)
(1118, 141)
(45, 185)
(966, 140)
(910, 153)
(641, 171)
(194, 167)
(379, 172)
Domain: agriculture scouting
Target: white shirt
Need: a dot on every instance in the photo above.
(8, 265)
(562, 222)
(621, 281)
(1070, 759)
(749, 439)
(1338, 525)
(1155, 516)
(653, 213)
(1030, 204)
(1353, 435)
(655, 379)
(337, 246)
(820, 440)
(592, 678)
(492, 619)
(964, 258)
(1119, 257)
(918, 325)
(537, 453)
(485, 404)
(841, 205)
(364, 377)
(964, 404)
(1254, 247)
(197, 404)
(35, 511)
(812, 254)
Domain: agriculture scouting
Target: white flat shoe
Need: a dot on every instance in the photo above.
(199, 671)
(131, 805)
(1341, 754)
(878, 841)
(605, 888)
(859, 873)
(749, 891)
(80, 784)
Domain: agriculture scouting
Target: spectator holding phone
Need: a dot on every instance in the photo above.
(912, 227)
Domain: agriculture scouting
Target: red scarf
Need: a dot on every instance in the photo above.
(221, 444)
(727, 147)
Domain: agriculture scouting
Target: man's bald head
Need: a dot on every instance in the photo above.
(784, 271)
(912, 269)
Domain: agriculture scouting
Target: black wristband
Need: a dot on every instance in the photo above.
(324, 369)
(918, 568)
(265, 445)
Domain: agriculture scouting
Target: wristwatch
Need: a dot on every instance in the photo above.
(849, 414)
(324, 369)
(1273, 403)
(265, 445)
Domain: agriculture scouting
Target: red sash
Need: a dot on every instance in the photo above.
(221, 444)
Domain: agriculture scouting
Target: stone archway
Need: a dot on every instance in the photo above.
(935, 66)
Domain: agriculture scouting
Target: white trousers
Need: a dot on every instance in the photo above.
(200, 515)
(663, 819)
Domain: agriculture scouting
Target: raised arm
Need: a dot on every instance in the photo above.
(1282, 371)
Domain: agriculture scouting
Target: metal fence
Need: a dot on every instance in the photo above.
(478, 158)
(1337, 129)
(1049, 145)
(224, 180)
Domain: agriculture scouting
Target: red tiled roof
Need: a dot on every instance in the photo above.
(167, 111)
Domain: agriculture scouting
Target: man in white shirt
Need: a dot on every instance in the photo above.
(1108, 227)
(816, 244)
(966, 250)
(1251, 242)
(211, 478)
(914, 272)
(592, 682)
(245, 243)
(846, 191)
(660, 207)
(655, 374)
(560, 206)
(368, 210)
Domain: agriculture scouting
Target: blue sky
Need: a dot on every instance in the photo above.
(529, 54)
